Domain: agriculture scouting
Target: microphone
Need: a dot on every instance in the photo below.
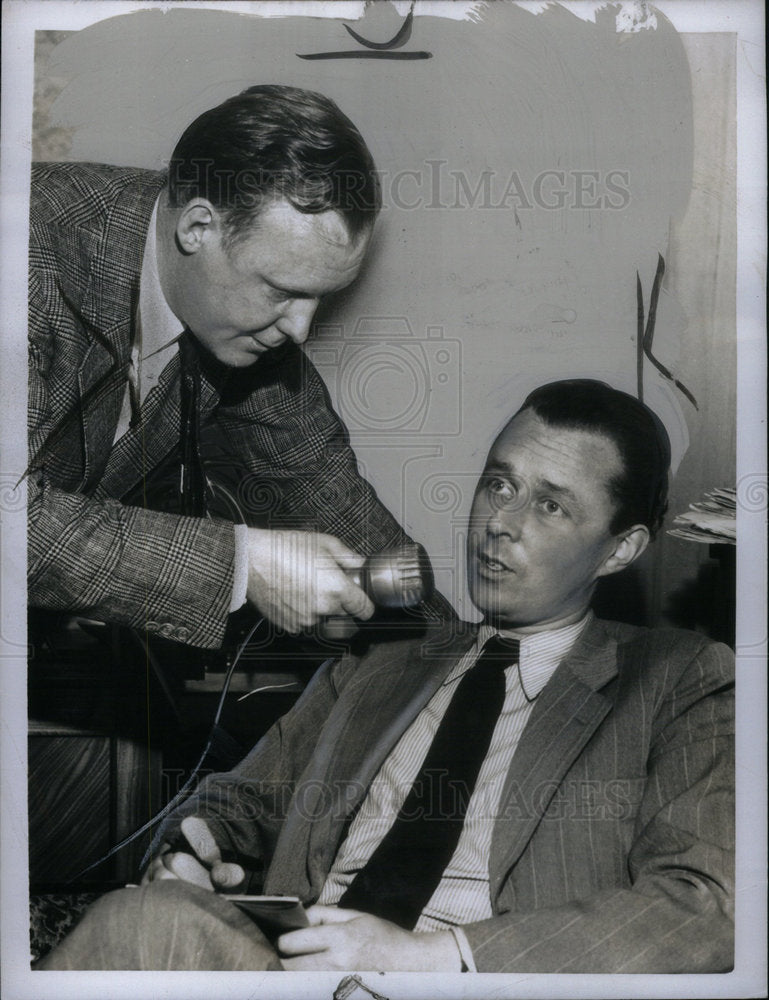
(399, 577)
(396, 578)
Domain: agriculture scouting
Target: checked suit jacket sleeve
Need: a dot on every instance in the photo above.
(613, 840)
(88, 553)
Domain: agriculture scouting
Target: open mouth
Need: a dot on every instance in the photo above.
(489, 564)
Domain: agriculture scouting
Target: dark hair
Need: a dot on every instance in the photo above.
(276, 142)
(640, 492)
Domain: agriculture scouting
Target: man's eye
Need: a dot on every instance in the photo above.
(551, 507)
(499, 488)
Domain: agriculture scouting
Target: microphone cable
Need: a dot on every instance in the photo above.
(195, 771)
(396, 578)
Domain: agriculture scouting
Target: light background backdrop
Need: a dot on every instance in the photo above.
(530, 168)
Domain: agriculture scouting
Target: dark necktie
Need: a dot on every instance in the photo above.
(192, 484)
(405, 869)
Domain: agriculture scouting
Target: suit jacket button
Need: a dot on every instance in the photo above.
(167, 630)
(182, 634)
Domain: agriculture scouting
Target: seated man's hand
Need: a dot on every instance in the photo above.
(346, 940)
(204, 867)
(296, 578)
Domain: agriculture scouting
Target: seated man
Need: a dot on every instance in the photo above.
(545, 792)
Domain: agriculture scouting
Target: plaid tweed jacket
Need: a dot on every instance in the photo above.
(92, 555)
(613, 841)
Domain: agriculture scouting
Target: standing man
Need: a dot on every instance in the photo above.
(161, 300)
(545, 792)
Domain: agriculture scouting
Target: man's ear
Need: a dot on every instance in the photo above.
(627, 548)
(195, 221)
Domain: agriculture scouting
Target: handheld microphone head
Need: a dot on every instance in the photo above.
(400, 577)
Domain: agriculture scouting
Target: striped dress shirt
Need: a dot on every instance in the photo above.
(462, 896)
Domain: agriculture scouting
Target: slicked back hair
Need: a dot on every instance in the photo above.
(276, 142)
(640, 492)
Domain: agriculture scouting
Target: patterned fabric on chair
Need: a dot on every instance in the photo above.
(51, 916)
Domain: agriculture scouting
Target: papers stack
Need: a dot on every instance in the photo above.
(712, 520)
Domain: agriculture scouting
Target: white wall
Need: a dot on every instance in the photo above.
(489, 274)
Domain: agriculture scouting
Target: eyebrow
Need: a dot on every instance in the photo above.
(294, 293)
(562, 491)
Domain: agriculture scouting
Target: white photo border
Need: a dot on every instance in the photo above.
(744, 17)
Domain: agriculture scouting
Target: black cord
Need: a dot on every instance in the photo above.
(189, 782)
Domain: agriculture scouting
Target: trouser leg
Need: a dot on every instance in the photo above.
(167, 924)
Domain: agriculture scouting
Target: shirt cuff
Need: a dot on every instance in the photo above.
(240, 576)
(465, 951)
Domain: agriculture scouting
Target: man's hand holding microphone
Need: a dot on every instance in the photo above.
(298, 579)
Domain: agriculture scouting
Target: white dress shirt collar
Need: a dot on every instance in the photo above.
(540, 652)
(156, 332)
(159, 325)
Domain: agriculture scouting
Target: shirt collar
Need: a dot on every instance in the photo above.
(540, 652)
(159, 326)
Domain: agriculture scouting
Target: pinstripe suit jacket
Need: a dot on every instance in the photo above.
(90, 554)
(612, 846)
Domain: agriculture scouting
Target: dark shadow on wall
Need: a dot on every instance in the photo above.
(622, 598)
(705, 603)
(708, 603)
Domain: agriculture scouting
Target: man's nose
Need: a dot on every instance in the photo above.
(296, 321)
(507, 520)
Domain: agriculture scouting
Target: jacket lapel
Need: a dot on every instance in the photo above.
(101, 381)
(378, 705)
(107, 307)
(142, 448)
(566, 715)
(394, 695)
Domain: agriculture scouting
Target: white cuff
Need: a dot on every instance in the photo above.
(465, 951)
(240, 576)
